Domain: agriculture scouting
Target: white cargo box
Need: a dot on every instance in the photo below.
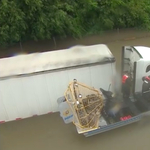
(31, 84)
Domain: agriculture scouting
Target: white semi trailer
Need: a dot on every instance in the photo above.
(31, 84)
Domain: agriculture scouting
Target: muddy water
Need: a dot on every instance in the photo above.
(48, 132)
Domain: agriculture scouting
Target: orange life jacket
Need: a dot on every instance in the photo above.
(147, 78)
(124, 78)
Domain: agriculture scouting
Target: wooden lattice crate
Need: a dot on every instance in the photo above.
(86, 104)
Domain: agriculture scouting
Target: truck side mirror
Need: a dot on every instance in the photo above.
(148, 68)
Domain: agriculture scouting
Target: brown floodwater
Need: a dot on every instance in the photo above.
(48, 132)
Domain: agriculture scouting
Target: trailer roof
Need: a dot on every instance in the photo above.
(37, 62)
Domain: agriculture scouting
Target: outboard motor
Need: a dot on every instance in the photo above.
(146, 88)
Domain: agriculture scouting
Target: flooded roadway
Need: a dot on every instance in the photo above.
(48, 132)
